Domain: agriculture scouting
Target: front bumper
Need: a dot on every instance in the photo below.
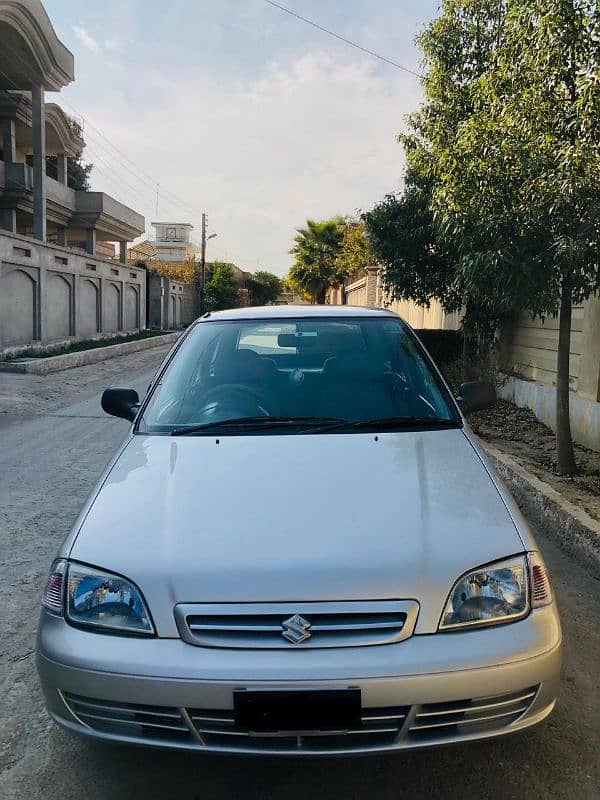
(427, 690)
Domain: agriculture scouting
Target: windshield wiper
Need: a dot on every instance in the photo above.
(403, 422)
(256, 423)
(385, 423)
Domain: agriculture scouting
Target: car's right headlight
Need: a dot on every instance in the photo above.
(501, 592)
(96, 599)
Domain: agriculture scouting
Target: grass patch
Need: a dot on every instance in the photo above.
(76, 347)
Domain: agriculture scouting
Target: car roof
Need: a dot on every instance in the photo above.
(296, 312)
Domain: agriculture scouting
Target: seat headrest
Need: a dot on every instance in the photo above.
(243, 365)
(355, 366)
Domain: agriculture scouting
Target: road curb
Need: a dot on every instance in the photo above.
(575, 531)
(44, 366)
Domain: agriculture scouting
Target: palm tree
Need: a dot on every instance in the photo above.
(316, 250)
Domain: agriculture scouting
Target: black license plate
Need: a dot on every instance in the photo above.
(320, 710)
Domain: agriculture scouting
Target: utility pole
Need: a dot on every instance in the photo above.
(203, 255)
(202, 275)
(203, 266)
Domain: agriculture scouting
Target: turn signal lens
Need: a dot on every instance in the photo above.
(541, 590)
(52, 598)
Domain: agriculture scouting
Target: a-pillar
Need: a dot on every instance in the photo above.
(90, 241)
(62, 166)
(38, 117)
(123, 252)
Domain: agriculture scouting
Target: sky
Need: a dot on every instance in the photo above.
(237, 109)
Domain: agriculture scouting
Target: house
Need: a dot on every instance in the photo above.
(56, 281)
(173, 241)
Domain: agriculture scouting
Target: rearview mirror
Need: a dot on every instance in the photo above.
(300, 340)
(475, 396)
(123, 403)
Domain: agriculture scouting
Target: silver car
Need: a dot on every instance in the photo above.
(298, 549)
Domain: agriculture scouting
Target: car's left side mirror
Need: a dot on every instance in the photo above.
(123, 403)
(475, 396)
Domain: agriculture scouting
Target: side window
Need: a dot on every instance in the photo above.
(425, 383)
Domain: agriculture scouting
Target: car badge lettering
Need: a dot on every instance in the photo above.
(296, 629)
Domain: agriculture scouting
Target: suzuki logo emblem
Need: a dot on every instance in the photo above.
(295, 629)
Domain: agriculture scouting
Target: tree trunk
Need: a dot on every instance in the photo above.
(468, 348)
(469, 342)
(564, 442)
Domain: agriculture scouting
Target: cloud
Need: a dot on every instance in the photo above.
(115, 44)
(307, 136)
(86, 39)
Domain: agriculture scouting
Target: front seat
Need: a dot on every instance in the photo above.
(247, 368)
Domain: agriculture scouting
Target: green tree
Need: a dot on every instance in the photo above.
(355, 251)
(78, 171)
(185, 271)
(222, 290)
(517, 179)
(264, 287)
(419, 262)
(409, 237)
(316, 250)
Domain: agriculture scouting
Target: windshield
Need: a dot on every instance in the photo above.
(285, 371)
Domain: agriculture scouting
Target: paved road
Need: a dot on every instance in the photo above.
(54, 442)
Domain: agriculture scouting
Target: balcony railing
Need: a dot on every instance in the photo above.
(90, 208)
(18, 177)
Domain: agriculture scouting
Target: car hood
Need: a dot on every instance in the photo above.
(274, 518)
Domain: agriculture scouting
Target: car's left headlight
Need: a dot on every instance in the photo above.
(102, 600)
(489, 595)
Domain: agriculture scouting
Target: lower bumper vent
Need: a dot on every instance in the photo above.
(437, 720)
(379, 728)
(129, 719)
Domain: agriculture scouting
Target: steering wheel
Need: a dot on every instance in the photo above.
(225, 395)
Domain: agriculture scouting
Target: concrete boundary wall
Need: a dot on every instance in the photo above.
(171, 304)
(44, 366)
(541, 399)
(368, 290)
(54, 294)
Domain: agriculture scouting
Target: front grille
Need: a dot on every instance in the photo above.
(379, 727)
(129, 719)
(437, 720)
(296, 625)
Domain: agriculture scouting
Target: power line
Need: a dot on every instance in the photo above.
(140, 175)
(150, 186)
(124, 158)
(343, 39)
(148, 178)
(104, 156)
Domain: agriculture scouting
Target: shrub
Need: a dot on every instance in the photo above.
(445, 347)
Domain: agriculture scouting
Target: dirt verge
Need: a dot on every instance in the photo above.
(517, 431)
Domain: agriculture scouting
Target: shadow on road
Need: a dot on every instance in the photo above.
(523, 765)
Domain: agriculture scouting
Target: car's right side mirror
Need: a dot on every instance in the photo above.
(123, 403)
(475, 396)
